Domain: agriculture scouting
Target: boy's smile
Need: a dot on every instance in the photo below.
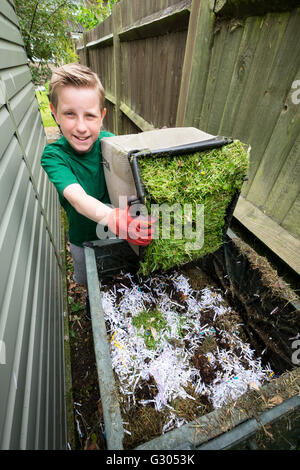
(79, 116)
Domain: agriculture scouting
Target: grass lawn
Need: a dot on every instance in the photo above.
(43, 101)
(212, 179)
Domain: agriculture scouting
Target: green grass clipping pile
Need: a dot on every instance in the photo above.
(211, 178)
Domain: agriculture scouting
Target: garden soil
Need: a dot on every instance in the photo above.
(89, 427)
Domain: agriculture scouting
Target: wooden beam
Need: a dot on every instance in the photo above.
(136, 118)
(173, 18)
(275, 237)
(86, 51)
(245, 8)
(104, 41)
(110, 98)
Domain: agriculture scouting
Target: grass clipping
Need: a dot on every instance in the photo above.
(211, 178)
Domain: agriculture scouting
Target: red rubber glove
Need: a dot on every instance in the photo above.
(136, 230)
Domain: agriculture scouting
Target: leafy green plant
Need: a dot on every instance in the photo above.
(47, 27)
(152, 323)
(89, 14)
(46, 115)
(72, 333)
(76, 307)
(46, 30)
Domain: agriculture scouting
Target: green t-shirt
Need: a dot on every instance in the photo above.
(65, 166)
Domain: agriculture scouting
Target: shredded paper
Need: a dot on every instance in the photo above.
(189, 318)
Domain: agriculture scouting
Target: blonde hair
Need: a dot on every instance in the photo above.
(76, 75)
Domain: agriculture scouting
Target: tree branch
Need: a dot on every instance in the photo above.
(53, 13)
(33, 17)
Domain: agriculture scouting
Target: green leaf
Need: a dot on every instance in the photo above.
(76, 307)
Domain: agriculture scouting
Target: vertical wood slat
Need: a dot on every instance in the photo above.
(277, 203)
(196, 51)
(240, 75)
(265, 95)
(211, 82)
(231, 44)
(116, 22)
(272, 172)
(86, 51)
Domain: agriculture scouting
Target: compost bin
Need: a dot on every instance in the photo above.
(260, 417)
(199, 354)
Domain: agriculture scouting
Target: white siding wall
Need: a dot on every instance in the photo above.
(32, 409)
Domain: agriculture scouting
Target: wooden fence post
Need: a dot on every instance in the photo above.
(117, 22)
(86, 51)
(196, 62)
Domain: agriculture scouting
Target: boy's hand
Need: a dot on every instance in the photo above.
(136, 230)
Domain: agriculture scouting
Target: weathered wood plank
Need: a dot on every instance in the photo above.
(234, 32)
(192, 91)
(275, 237)
(104, 41)
(271, 173)
(188, 63)
(291, 222)
(287, 186)
(86, 51)
(216, 55)
(243, 8)
(116, 22)
(173, 18)
(272, 101)
(259, 101)
(141, 123)
(110, 97)
(175, 79)
(148, 99)
(167, 76)
(240, 74)
(123, 72)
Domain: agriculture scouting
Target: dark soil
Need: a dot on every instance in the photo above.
(201, 363)
(86, 396)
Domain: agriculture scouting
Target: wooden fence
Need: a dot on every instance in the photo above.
(138, 53)
(226, 67)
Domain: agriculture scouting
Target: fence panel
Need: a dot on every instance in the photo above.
(247, 68)
(138, 53)
(225, 67)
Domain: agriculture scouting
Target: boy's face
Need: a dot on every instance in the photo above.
(79, 116)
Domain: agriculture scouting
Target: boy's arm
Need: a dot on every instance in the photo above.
(135, 230)
(87, 205)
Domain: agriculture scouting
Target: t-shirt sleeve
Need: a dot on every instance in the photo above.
(58, 171)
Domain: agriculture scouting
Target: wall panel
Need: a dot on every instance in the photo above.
(32, 408)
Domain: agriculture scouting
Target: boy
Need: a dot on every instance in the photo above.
(74, 164)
